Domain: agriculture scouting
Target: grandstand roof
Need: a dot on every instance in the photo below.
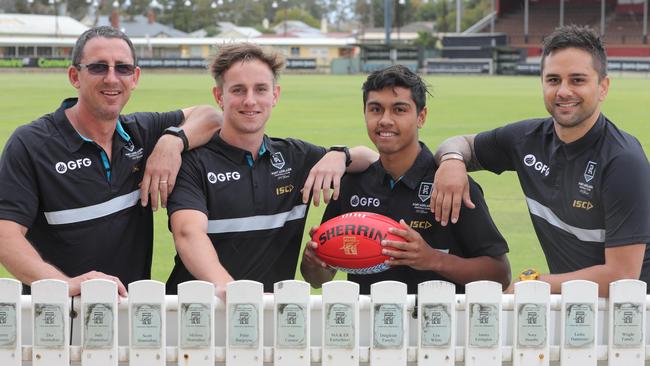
(40, 25)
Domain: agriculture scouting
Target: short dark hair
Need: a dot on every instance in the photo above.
(581, 37)
(104, 32)
(397, 75)
(228, 54)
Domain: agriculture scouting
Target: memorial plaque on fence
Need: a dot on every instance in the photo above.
(483, 325)
(291, 327)
(628, 331)
(389, 326)
(244, 326)
(146, 331)
(436, 325)
(195, 325)
(532, 325)
(8, 328)
(579, 325)
(49, 326)
(339, 327)
(98, 326)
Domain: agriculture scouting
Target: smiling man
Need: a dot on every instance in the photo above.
(238, 211)
(74, 188)
(585, 181)
(398, 185)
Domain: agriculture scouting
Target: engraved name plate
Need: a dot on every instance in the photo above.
(146, 330)
(339, 326)
(627, 324)
(388, 328)
(532, 330)
(195, 325)
(98, 326)
(291, 327)
(244, 327)
(8, 329)
(579, 325)
(483, 325)
(49, 326)
(436, 325)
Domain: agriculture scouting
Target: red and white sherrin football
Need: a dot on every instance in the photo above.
(352, 242)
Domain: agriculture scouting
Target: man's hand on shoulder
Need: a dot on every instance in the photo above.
(161, 170)
(450, 190)
(325, 174)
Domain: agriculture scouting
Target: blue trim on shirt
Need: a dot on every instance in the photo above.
(107, 164)
(394, 182)
(249, 156)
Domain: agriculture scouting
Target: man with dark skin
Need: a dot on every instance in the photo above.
(399, 185)
(585, 180)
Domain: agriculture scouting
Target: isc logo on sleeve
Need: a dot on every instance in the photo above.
(62, 167)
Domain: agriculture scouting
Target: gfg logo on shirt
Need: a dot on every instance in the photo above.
(364, 201)
(62, 167)
(531, 161)
(223, 177)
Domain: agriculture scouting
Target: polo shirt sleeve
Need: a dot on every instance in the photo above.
(495, 149)
(155, 123)
(626, 199)
(18, 184)
(311, 153)
(475, 230)
(189, 191)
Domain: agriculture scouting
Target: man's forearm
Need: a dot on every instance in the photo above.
(464, 270)
(20, 258)
(201, 123)
(362, 157)
(462, 145)
(201, 260)
(315, 275)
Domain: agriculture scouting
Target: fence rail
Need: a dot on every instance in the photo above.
(341, 327)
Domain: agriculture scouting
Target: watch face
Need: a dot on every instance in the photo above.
(528, 272)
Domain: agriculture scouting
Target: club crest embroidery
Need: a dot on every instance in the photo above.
(590, 171)
(277, 160)
(424, 193)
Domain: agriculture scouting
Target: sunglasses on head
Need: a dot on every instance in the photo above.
(102, 68)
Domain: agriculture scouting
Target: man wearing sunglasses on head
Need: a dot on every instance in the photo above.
(75, 184)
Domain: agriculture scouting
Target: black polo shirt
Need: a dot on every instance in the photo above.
(255, 212)
(83, 212)
(583, 196)
(474, 234)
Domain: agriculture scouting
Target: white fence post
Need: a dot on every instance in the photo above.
(244, 323)
(99, 323)
(340, 324)
(483, 322)
(627, 317)
(292, 323)
(10, 323)
(437, 323)
(196, 323)
(579, 323)
(532, 316)
(147, 323)
(51, 323)
(388, 321)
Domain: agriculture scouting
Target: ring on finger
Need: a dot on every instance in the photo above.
(163, 182)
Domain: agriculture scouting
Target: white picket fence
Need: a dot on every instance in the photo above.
(291, 327)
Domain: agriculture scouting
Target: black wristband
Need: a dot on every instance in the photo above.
(178, 132)
(343, 149)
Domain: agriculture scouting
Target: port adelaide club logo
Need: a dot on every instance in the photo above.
(277, 160)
